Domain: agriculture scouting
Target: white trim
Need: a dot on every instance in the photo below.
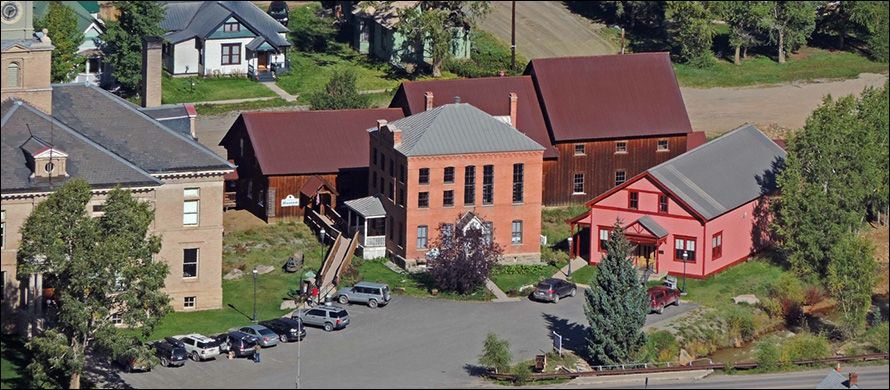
(173, 175)
(92, 191)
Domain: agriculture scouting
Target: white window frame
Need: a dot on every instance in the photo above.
(196, 263)
(191, 206)
(516, 234)
(189, 302)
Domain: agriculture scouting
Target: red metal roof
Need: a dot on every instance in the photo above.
(489, 94)
(611, 96)
(695, 139)
(303, 142)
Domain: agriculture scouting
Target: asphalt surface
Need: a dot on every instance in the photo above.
(411, 343)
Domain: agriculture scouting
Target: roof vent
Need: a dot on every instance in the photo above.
(456, 99)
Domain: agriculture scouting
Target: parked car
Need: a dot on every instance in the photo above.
(170, 354)
(265, 336)
(328, 317)
(552, 289)
(240, 344)
(278, 11)
(288, 329)
(661, 296)
(371, 294)
(199, 347)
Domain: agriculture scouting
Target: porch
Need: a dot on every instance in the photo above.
(265, 62)
(367, 217)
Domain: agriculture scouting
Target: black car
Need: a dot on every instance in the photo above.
(288, 329)
(240, 344)
(278, 11)
(170, 354)
(551, 289)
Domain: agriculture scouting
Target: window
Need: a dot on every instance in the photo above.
(422, 234)
(578, 184)
(190, 206)
(448, 198)
(116, 318)
(391, 229)
(98, 208)
(687, 245)
(470, 185)
(620, 177)
(516, 232)
(662, 145)
(392, 190)
(231, 54)
(423, 200)
(382, 162)
(392, 168)
(401, 235)
(12, 75)
(518, 178)
(633, 200)
(190, 263)
(487, 229)
(232, 27)
(604, 238)
(447, 230)
(381, 185)
(488, 184)
(374, 156)
(449, 175)
(3, 288)
(374, 178)
(717, 246)
(580, 150)
(402, 197)
(401, 173)
(424, 176)
(662, 203)
(621, 147)
(188, 302)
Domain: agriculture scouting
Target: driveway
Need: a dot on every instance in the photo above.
(410, 343)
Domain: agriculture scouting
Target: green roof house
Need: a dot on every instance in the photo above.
(92, 28)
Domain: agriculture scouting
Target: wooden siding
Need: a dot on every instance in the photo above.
(599, 164)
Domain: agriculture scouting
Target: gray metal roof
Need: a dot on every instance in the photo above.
(836, 380)
(652, 226)
(458, 128)
(725, 173)
(199, 19)
(21, 123)
(175, 117)
(368, 207)
(126, 131)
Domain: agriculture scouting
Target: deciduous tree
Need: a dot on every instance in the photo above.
(123, 39)
(496, 353)
(852, 274)
(341, 92)
(104, 269)
(694, 31)
(61, 24)
(790, 24)
(743, 18)
(465, 258)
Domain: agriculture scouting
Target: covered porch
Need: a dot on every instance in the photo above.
(368, 217)
(265, 61)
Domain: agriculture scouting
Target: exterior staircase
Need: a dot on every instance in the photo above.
(335, 263)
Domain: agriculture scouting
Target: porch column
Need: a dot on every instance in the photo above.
(38, 281)
(365, 229)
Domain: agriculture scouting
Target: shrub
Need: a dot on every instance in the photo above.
(879, 336)
(522, 374)
(767, 353)
(662, 346)
(488, 58)
(787, 286)
(772, 307)
(803, 346)
(742, 324)
(698, 349)
(813, 295)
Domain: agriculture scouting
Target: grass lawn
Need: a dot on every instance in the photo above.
(179, 90)
(584, 274)
(750, 277)
(15, 358)
(513, 277)
(216, 109)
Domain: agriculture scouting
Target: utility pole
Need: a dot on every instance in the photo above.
(513, 39)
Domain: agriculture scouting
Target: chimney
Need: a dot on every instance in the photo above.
(513, 98)
(380, 124)
(151, 71)
(428, 98)
(190, 109)
(456, 99)
(854, 380)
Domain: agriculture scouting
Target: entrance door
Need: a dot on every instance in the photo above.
(645, 256)
(262, 59)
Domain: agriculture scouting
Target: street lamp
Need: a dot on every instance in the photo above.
(685, 256)
(254, 294)
(299, 339)
(321, 238)
(570, 257)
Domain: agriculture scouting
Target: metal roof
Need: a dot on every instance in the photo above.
(304, 142)
(199, 19)
(489, 94)
(652, 226)
(368, 207)
(836, 380)
(725, 173)
(458, 128)
(610, 96)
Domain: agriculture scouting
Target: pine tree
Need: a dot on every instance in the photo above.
(615, 305)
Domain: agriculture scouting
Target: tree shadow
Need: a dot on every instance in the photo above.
(763, 238)
(240, 312)
(574, 335)
(16, 354)
(475, 370)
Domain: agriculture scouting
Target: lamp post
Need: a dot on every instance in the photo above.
(685, 256)
(570, 256)
(321, 238)
(299, 339)
(254, 294)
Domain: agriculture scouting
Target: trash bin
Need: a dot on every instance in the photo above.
(256, 357)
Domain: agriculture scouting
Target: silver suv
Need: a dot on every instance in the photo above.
(372, 294)
(199, 347)
(328, 317)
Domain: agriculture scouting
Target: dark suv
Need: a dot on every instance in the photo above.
(239, 343)
(551, 289)
(170, 355)
(288, 329)
(278, 11)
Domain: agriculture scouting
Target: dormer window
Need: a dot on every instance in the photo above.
(49, 168)
(45, 161)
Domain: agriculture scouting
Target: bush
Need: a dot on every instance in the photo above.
(787, 286)
(879, 336)
(772, 307)
(553, 257)
(522, 374)
(488, 58)
(813, 295)
(767, 353)
(742, 324)
(662, 346)
(803, 346)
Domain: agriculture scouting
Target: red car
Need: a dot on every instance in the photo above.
(661, 296)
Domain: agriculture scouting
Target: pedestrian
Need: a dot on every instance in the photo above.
(313, 295)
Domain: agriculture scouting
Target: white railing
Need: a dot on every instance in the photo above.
(375, 241)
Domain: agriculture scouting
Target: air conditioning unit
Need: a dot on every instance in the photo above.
(543, 240)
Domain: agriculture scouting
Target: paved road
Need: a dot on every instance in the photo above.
(411, 343)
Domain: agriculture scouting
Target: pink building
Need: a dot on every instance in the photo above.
(707, 206)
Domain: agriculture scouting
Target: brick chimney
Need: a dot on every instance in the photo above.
(513, 98)
(853, 381)
(151, 71)
(428, 99)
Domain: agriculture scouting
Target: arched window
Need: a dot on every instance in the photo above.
(12, 73)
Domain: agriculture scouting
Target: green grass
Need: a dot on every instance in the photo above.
(811, 64)
(179, 90)
(553, 223)
(217, 109)
(416, 285)
(750, 277)
(15, 358)
(513, 277)
(584, 274)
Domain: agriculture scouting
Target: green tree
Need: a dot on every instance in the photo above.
(123, 39)
(465, 259)
(61, 22)
(789, 24)
(495, 353)
(104, 267)
(341, 92)
(615, 304)
(694, 31)
(743, 18)
(875, 117)
(852, 274)
(874, 17)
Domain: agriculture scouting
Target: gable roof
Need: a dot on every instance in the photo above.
(725, 173)
(611, 96)
(457, 128)
(185, 20)
(489, 94)
(22, 125)
(836, 380)
(128, 132)
(308, 142)
(84, 17)
(369, 206)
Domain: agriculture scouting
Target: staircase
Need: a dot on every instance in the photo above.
(336, 262)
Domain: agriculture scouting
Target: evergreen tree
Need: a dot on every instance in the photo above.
(616, 305)
(694, 33)
(465, 259)
(103, 267)
(123, 39)
(874, 16)
(341, 92)
(495, 353)
(61, 24)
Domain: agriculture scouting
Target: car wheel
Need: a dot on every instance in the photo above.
(677, 302)
(328, 327)
(344, 299)
(282, 338)
(556, 298)
(660, 309)
(164, 362)
(372, 303)
(572, 294)
(194, 356)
